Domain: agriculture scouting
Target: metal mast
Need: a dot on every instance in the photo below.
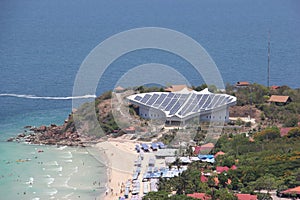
(269, 58)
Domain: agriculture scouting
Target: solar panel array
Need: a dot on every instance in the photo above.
(183, 104)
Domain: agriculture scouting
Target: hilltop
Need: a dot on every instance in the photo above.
(82, 126)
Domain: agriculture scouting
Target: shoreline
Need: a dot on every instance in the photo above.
(120, 156)
(115, 152)
(111, 153)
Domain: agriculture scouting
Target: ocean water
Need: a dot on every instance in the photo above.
(48, 172)
(43, 43)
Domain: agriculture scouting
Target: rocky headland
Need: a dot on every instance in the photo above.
(53, 135)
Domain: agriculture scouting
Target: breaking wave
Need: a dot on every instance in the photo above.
(26, 96)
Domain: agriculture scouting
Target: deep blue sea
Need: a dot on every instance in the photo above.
(44, 42)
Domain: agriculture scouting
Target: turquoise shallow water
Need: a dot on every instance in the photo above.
(55, 173)
(14, 124)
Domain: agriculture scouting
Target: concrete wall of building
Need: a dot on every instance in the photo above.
(150, 113)
(216, 116)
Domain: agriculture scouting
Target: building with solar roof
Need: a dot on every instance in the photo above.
(182, 106)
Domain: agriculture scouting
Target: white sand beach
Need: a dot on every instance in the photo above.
(121, 154)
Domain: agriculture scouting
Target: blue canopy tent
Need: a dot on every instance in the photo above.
(207, 158)
(145, 147)
(161, 145)
(154, 146)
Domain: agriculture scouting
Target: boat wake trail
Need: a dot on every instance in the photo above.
(47, 98)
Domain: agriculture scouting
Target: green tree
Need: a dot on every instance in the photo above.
(268, 134)
(223, 179)
(239, 122)
(291, 121)
(212, 88)
(223, 193)
(228, 161)
(264, 196)
(181, 197)
(211, 181)
(266, 182)
(201, 87)
(293, 133)
(141, 89)
(160, 195)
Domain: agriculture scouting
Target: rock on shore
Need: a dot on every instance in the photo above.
(65, 134)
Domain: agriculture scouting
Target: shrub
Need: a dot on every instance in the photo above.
(268, 134)
(291, 121)
(295, 132)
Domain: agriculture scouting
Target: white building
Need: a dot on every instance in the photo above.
(182, 106)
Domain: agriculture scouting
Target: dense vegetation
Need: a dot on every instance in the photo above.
(267, 157)
(257, 95)
(267, 163)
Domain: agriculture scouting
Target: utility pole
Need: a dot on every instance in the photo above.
(250, 101)
(269, 35)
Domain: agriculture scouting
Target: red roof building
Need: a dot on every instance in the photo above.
(219, 153)
(220, 169)
(197, 150)
(205, 147)
(203, 179)
(242, 83)
(229, 181)
(279, 99)
(233, 167)
(295, 190)
(246, 197)
(284, 131)
(119, 89)
(275, 87)
(202, 196)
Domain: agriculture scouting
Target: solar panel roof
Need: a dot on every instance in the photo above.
(182, 104)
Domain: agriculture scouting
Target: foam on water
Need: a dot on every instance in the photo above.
(26, 96)
(75, 169)
(56, 169)
(49, 181)
(51, 163)
(52, 191)
(48, 174)
(84, 152)
(67, 185)
(62, 147)
(68, 155)
(68, 195)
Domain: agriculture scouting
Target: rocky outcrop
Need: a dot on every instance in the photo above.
(53, 135)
